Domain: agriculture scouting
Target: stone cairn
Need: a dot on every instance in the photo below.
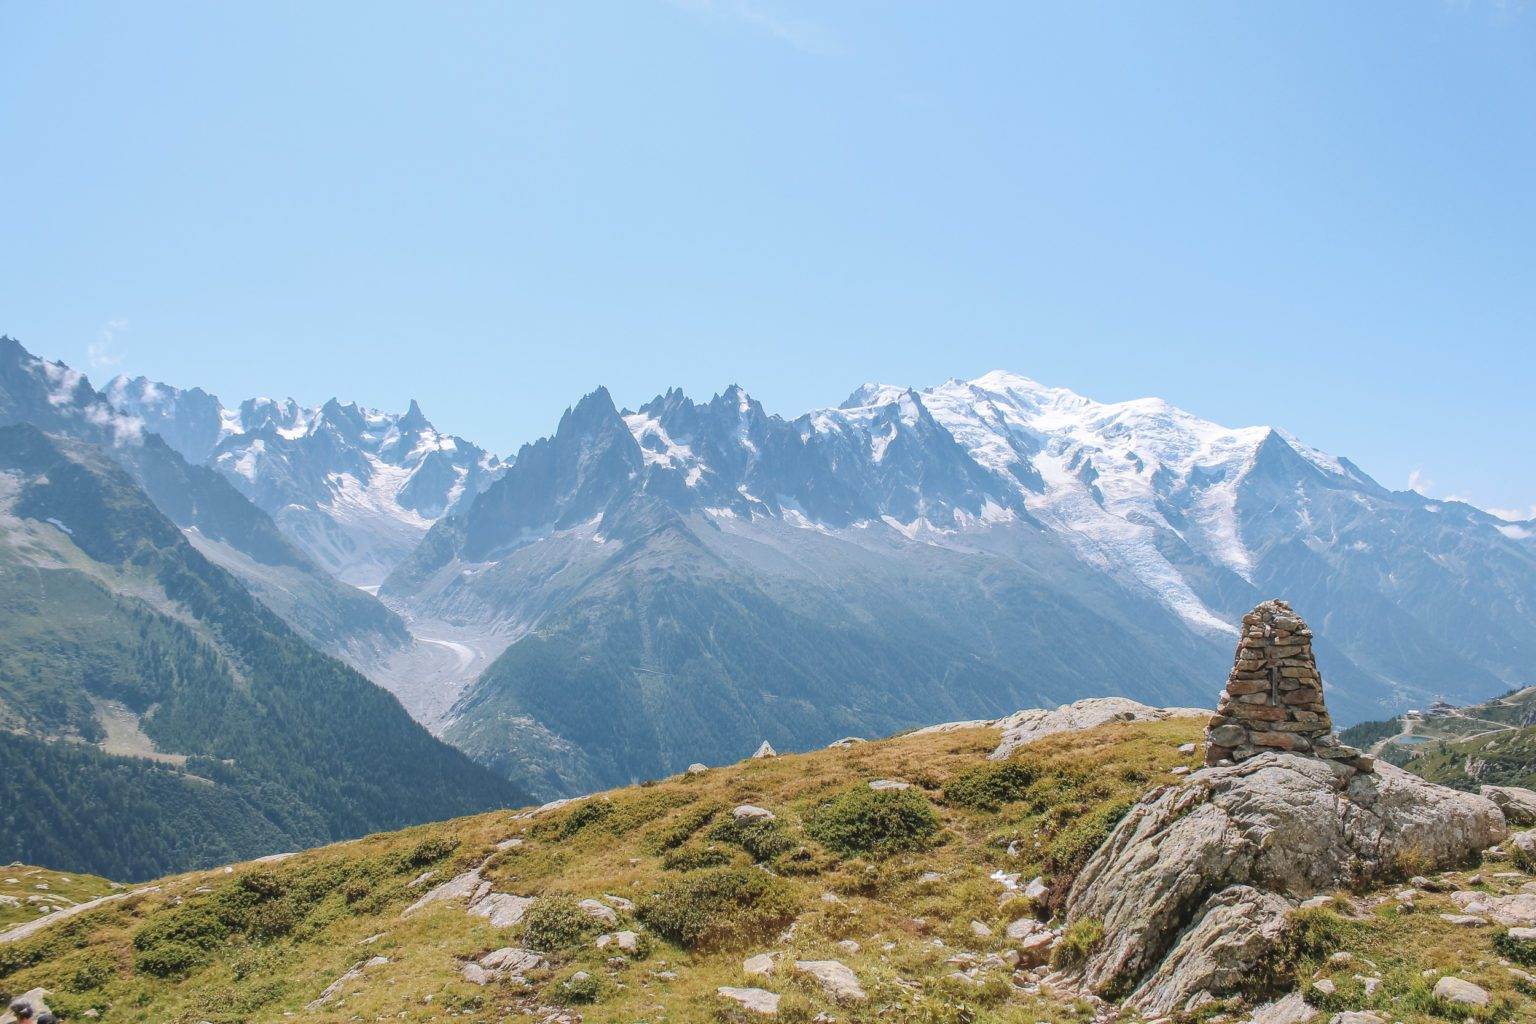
(1274, 696)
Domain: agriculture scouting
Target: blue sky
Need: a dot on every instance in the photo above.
(1316, 215)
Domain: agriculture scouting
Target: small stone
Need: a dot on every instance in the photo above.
(882, 785)
(751, 812)
(848, 946)
(1455, 990)
(599, 911)
(697, 768)
(835, 978)
(1325, 986)
(755, 1000)
(1186, 748)
(980, 930)
(762, 964)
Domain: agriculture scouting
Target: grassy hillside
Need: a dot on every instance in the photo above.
(28, 893)
(1492, 743)
(164, 718)
(901, 886)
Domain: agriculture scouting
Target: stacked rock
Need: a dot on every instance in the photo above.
(1274, 696)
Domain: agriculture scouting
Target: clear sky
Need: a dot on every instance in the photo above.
(1316, 215)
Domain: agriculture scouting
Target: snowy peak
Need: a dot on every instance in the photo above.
(354, 487)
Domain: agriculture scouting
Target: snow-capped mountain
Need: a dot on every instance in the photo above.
(354, 488)
(690, 578)
(223, 525)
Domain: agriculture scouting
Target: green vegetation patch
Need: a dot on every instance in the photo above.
(867, 821)
(987, 787)
(557, 923)
(719, 907)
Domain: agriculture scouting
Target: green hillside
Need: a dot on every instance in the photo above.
(909, 889)
(165, 719)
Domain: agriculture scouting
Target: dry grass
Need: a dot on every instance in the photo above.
(635, 842)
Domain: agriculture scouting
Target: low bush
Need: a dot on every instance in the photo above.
(867, 821)
(988, 787)
(580, 988)
(556, 922)
(675, 833)
(694, 856)
(763, 838)
(719, 907)
(169, 959)
(589, 813)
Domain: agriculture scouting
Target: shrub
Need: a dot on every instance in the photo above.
(867, 821)
(580, 987)
(675, 834)
(1070, 848)
(168, 959)
(93, 972)
(695, 856)
(589, 813)
(1078, 940)
(556, 922)
(430, 850)
(763, 838)
(988, 787)
(194, 925)
(719, 907)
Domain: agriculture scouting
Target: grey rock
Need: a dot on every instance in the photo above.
(1286, 824)
(751, 812)
(756, 1000)
(599, 912)
(502, 909)
(1032, 724)
(1455, 990)
(761, 964)
(766, 750)
(835, 978)
(1517, 803)
(1291, 1009)
(1235, 930)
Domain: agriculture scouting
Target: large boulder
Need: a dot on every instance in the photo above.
(1234, 933)
(1279, 823)
(1032, 724)
(1517, 803)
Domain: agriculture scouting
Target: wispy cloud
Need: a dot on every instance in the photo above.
(1422, 484)
(102, 352)
(1515, 515)
(801, 33)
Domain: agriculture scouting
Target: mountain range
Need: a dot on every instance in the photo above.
(159, 717)
(646, 588)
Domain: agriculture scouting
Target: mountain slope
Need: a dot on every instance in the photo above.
(353, 488)
(220, 731)
(971, 546)
(918, 894)
(224, 526)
